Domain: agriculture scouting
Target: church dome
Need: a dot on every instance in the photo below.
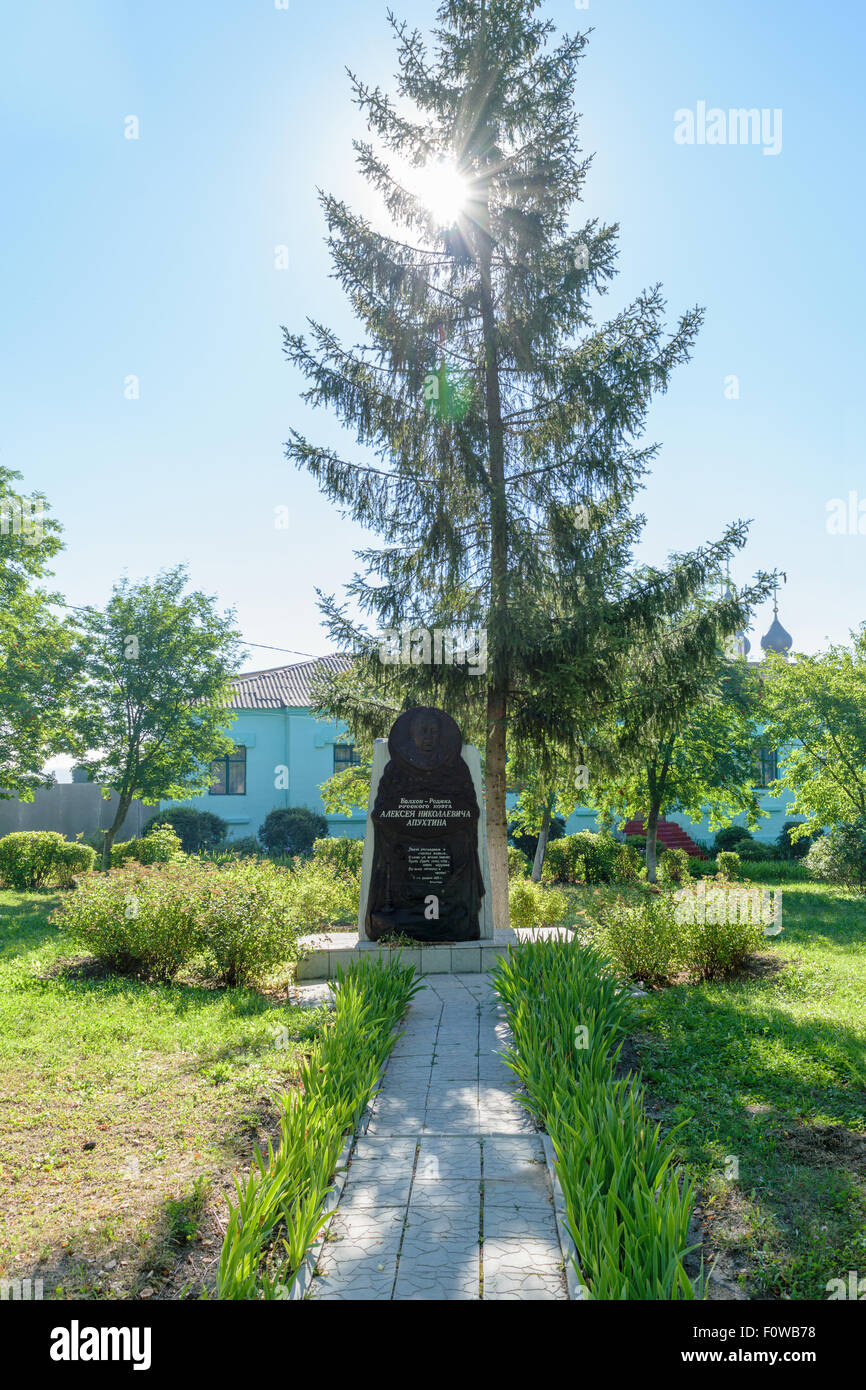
(777, 639)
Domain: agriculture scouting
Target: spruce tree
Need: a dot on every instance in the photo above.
(498, 422)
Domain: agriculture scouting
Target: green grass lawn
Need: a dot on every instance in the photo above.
(124, 1108)
(767, 1071)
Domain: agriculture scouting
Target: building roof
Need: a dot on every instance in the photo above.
(284, 686)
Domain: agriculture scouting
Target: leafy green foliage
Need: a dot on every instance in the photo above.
(244, 922)
(341, 853)
(279, 1209)
(138, 920)
(198, 830)
(627, 1209)
(518, 863)
(839, 856)
(730, 837)
(321, 895)
(292, 830)
(158, 846)
(728, 864)
(587, 857)
(158, 695)
(533, 905)
(674, 866)
(816, 713)
(32, 859)
(792, 849)
(73, 859)
(40, 652)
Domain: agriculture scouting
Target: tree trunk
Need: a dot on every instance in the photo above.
(122, 811)
(538, 862)
(651, 842)
(497, 690)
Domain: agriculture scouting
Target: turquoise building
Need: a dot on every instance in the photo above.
(283, 754)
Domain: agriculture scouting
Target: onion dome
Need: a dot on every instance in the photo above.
(777, 639)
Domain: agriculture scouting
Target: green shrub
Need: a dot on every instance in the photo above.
(243, 848)
(587, 857)
(123, 852)
(138, 920)
(343, 855)
(319, 896)
(730, 837)
(29, 859)
(728, 864)
(838, 857)
(518, 863)
(797, 849)
(74, 858)
(715, 948)
(637, 842)
(159, 846)
(532, 905)
(754, 851)
(674, 866)
(292, 830)
(628, 864)
(243, 920)
(198, 831)
(644, 939)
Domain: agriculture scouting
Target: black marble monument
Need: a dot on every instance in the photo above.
(426, 879)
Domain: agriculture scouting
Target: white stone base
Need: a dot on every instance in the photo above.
(326, 953)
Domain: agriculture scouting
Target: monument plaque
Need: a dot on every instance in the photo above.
(425, 879)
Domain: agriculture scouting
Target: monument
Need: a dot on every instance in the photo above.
(425, 871)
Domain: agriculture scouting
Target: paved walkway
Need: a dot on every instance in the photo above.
(447, 1194)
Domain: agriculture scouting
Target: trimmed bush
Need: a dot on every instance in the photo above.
(343, 855)
(518, 863)
(74, 859)
(838, 857)
(753, 851)
(292, 830)
(138, 920)
(158, 846)
(29, 859)
(587, 857)
(198, 831)
(730, 837)
(674, 866)
(728, 865)
(532, 905)
(123, 852)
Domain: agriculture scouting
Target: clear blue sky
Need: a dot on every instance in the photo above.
(155, 257)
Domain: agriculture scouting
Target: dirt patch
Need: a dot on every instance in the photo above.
(824, 1145)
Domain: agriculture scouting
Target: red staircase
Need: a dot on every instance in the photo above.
(668, 836)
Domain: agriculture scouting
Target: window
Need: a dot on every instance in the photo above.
(229, 774)
(345, 755)
(766, 766)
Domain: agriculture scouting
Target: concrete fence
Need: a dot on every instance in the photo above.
(73, 808)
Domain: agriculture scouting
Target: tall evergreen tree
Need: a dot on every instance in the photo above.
(498, 422)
